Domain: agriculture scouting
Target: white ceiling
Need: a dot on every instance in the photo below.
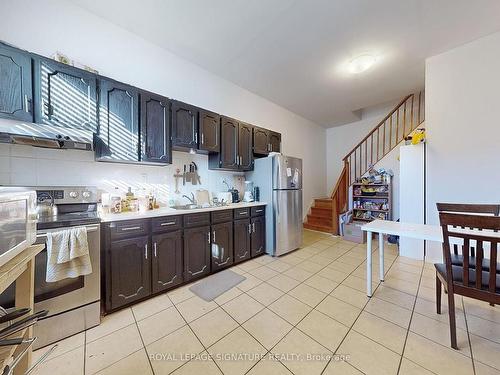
(293, 52)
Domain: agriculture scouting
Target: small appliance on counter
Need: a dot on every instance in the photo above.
(248, 195)
(235, 194)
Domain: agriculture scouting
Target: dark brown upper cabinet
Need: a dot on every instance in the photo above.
(119, 120)
(155, 141)
(274, 142)
(196, 252)
(245, 150)
(222, 245)
(129, 271)
(209, 131)
(166, 264)
(260, 141)
(16, 96)
(184, 126)
(66, 96)
(229, 145)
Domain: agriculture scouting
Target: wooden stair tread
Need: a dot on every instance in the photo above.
(320, 228)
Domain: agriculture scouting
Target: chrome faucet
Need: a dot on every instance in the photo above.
(191, 200)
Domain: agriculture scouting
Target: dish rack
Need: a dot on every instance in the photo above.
(371, 201)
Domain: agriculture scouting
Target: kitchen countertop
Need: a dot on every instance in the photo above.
(167, 211)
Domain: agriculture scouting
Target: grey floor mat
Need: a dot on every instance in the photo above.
(215, 285)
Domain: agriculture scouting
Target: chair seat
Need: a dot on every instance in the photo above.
(458, 276)
(458, 260)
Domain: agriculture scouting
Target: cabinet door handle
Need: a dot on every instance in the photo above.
(258, 210)
(130, 228)
(243, 213)
(26, 103)
(202, 138)
(167, 223)
(209, 237)
(146, 251)
(154, 247)
(249, 228)
(213, 236)
(253, 227)
(196, 137)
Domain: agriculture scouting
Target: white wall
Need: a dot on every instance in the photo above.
(463, 130)
(54, 25)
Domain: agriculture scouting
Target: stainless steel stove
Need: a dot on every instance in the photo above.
(73, 303)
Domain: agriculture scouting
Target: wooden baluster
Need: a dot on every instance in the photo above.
(397, 128)
(390, 132)
(404, 122)
(383, 139)
(412, 122)
(355, 165)
(465, 254)
(479, 263)
(371, 149)
(366, 156)
(493, 266)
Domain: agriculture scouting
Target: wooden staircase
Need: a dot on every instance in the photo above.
(388, 134)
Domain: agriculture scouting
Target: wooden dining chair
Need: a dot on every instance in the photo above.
(471, 278)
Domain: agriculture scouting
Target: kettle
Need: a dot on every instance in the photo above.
(45, 207)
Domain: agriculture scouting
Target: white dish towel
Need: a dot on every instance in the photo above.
(67, 254)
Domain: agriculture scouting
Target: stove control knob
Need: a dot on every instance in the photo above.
(86, 194)
(73, 194)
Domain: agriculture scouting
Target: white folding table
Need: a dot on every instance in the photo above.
(417, 231)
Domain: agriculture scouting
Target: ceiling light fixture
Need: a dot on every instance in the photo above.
(361, 63)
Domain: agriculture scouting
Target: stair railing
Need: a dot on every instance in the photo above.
(401, 121)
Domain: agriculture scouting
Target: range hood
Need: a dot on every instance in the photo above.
(48, 136)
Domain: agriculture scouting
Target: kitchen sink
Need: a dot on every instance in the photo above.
(186, 207)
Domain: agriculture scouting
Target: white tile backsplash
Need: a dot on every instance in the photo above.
(31, 166)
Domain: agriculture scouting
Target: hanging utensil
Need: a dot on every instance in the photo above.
(9, 369)
(14, 314)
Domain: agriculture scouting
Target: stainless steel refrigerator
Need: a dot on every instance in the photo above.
(279, 179)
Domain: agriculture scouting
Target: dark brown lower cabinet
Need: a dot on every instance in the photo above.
(258, 236)
(242, 230)
(196, 252)
(166, 262)
(222, 245)
(130, 270)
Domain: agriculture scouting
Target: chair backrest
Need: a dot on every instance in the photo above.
(484, 209)
(464, 230)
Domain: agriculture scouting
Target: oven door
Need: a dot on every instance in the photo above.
(70, 293)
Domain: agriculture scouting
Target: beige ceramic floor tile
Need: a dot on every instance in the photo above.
(134, 364)
(279, 266)
(320, 245)
(267, 327)
(213, 326)
(242, 308)
(111, 323)
(485, 351)
(290, 309)
(359, 284)
(332, 274)
(195, 307)
(298, 274)
(310, 266)
(160, 324)
(249, 265)
(341, 367)
(482, 310)
(436, 358)
(438, 332)
(307, 294)
(368, 356)
(309, 357)
(249, 283)
(283, 282)
(482, 369)
(238, 343)
(69, 363)
(323, 329)
(228, 296)
(203, 365)
(264, 259)
(181, 294)
(172, 351)
(395, 296)
(151, 306)
(291, 259)
(410, 368)
(265, 293)
(321, 260)
(382, 331)
(321, 283)
(264, 273)
(389, 311)
(339, 310)
(349, 295)
(484, 328)
(428, 309)
(109, 349)
(402, 286)
(267, 367)
(403, 275)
